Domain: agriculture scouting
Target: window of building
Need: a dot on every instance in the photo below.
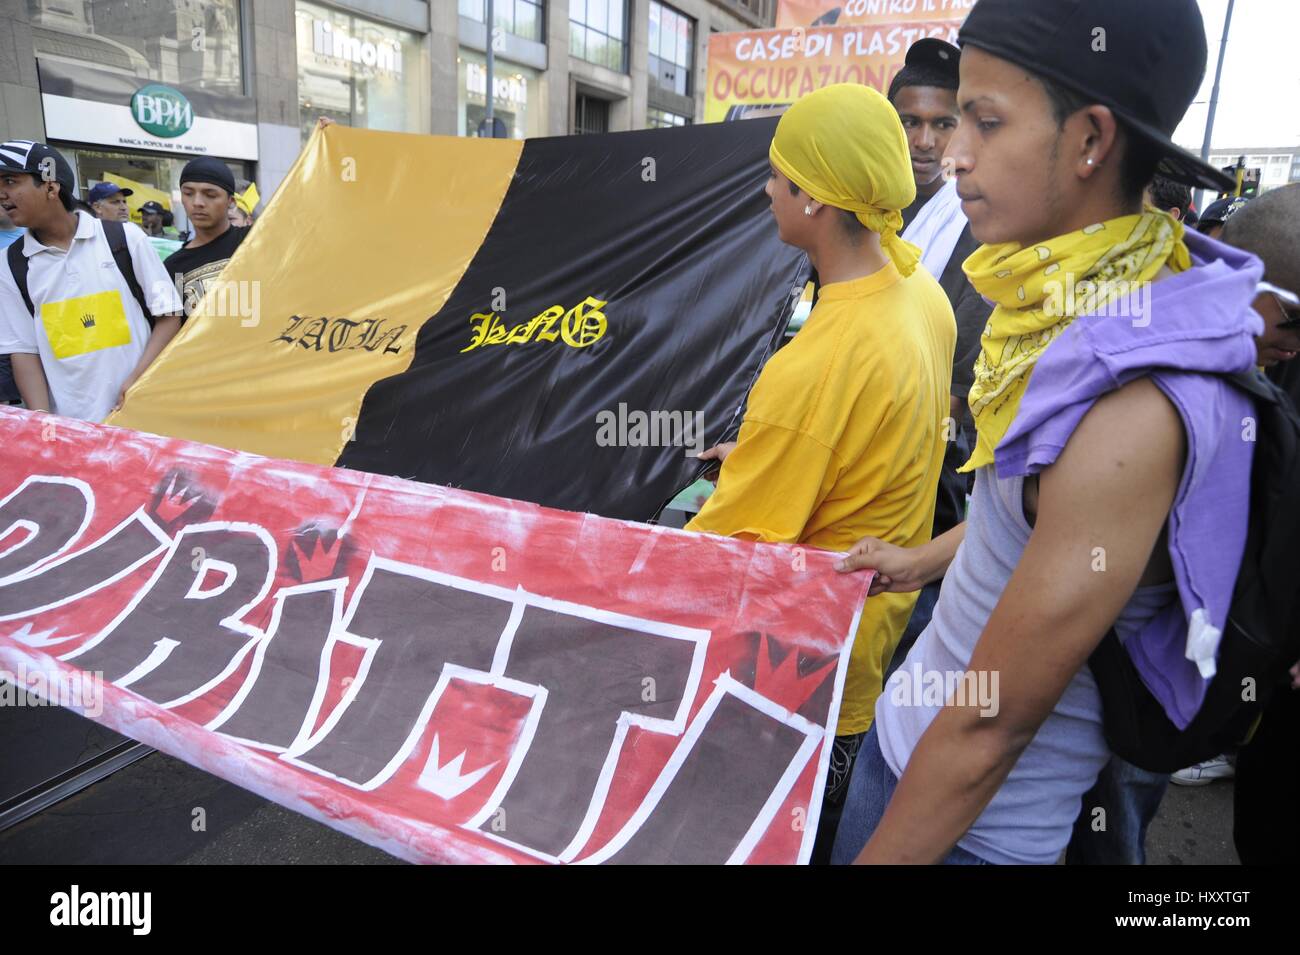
(590, 114)
(359, 72)
(518, 96)
(523, 18)
(672, 49)
(660, 118)
(598, 32)
(154, 39)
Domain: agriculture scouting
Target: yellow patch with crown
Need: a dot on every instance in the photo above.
(89, 323)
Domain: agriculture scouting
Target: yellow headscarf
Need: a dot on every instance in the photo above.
(1039, 289)
(845, 146)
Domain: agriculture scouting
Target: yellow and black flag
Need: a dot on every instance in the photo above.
(560, 320)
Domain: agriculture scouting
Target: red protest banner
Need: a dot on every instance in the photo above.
(445, 675)
(756, 73)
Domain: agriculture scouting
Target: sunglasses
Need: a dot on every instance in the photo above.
(1287, 302)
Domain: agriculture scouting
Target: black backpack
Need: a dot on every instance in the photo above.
(116, 235)
(1261, 638)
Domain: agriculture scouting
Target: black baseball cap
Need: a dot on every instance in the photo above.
(207, 169)
(926, 62)
(102, 190)
(38, 159)
(152, 207)
(936, 53)
(1221, 210)
(1144, 59)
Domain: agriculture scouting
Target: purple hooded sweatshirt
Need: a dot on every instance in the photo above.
(1191, 328)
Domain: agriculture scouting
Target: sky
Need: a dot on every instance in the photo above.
(1259, 95)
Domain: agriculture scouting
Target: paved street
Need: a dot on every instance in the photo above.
(145, 814)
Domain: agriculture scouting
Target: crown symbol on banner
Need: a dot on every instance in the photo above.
(320, 563)
(88, 320)
(781, 676)
(176, 499)
(448, 780)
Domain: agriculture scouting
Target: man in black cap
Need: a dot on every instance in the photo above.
(1085, 425)
(924, 92)
(151, 219)
(85, 305)
(207, 192)
(1217, 213)
(108, 201)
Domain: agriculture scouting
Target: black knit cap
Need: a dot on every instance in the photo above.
(1144, 59)
(207, 169)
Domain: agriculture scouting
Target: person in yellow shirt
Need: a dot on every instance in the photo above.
(843, 435)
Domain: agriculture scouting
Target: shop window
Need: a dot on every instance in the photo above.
(360, 73)
(518, 96)
(150, 177)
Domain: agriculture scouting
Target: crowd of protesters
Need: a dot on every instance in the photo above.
(946, 417)
(89, 299)
(1108, 476)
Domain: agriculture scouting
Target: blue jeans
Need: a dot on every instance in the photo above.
(1130, 797)
(870, 790)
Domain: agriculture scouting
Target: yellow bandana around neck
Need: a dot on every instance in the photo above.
(844, 145)
(1038, 291)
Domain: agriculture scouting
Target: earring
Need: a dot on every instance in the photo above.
(1089, 161)
(807, 210)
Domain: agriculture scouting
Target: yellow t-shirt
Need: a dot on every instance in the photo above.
(843, 439)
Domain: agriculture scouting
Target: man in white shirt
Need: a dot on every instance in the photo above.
(85, 337)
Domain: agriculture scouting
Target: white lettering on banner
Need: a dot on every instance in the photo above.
(855, 42)
(853, 9)
(506, 89)
(861, 8)
(329, 40)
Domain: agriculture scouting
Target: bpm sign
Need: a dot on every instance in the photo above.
(162, 111)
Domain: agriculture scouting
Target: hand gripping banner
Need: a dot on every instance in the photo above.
(563, 320)
(442, 674)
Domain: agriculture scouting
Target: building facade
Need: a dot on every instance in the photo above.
(1277, 165)
(135, 88)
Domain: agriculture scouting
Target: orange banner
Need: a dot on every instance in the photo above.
(759, 72)
(807, 13)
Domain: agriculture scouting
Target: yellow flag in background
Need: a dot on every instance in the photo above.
(140, 194)
(248, 199)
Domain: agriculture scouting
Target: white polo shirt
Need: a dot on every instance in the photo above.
(88, 328)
